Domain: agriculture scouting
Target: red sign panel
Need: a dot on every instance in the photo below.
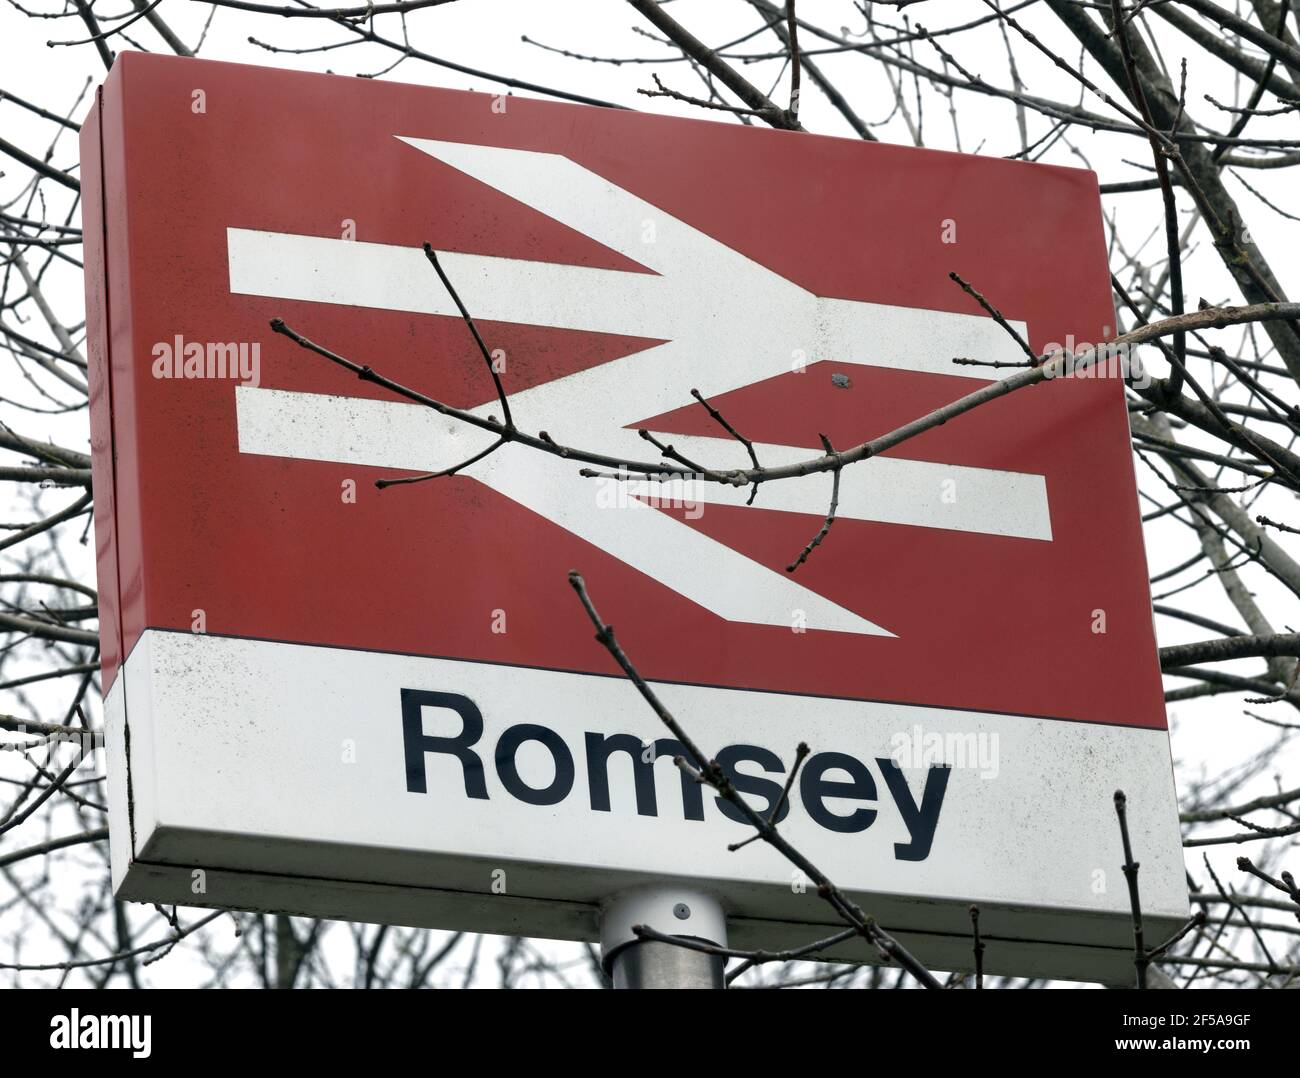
(614, 261)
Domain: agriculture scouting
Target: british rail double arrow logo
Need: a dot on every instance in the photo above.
(725, 322)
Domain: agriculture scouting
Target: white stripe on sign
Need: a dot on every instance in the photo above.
(892, 490)
(411, 438)
(787, 325)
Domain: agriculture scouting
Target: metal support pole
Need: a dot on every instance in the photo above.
(635, 963)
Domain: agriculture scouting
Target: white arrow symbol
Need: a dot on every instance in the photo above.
(727, 322)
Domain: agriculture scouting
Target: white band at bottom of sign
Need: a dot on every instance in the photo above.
(339, 768)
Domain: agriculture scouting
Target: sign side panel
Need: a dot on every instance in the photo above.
(113, 456)
(123, 287)
(104, 480)
(135, 742)
(121, 840)
(98, 320)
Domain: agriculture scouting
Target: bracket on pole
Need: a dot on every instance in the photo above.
(632, 962)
